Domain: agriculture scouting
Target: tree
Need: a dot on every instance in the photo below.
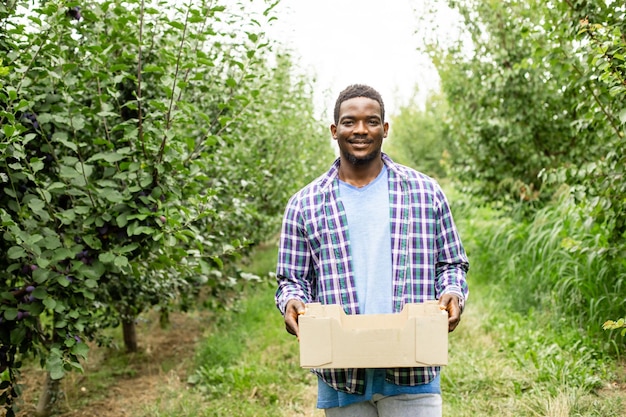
(537, 104)
(420, 138)
(126, 174)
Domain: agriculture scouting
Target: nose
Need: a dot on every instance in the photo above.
(360, 127)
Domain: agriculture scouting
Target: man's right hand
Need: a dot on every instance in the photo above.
(293, 309)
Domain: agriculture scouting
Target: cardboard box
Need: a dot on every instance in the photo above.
(330, 338)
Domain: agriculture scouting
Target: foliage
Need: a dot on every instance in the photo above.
(528, 344)
(536, 91)
(501, 362)
(554, 264)
(248, 354)
(131, 141)
(537, 96)
(419, 139)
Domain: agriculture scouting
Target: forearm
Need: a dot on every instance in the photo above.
(451, 279)
(290, 289)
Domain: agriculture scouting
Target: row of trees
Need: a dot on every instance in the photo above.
(533, 121)
(144, 147)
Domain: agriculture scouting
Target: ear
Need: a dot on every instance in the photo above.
(333, 131)
(386, 129)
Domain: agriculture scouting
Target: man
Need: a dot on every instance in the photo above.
(370, 235)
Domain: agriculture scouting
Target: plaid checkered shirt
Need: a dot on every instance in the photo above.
(315, 264)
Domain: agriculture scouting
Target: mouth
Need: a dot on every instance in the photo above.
(359, 143)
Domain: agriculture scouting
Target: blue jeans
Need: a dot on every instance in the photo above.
(403, 405)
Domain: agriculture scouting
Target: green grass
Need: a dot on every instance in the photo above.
(507, 358)
(529, 344)
(248, 363)
(506, 364)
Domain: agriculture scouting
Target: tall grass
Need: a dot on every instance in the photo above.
(560, 263)
(555, 283)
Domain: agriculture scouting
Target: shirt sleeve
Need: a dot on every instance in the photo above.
(452, 262)
(294, 270)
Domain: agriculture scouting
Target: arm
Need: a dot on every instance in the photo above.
(294, 272)
(451, 267)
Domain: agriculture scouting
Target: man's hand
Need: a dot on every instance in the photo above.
(293, 309)
(450, 303)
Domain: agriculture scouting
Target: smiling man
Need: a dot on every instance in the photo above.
(370, 235)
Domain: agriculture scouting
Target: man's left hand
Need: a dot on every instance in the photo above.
(450, 303)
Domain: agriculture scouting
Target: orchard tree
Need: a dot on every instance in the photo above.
(536, 92)
(134, 158)
(419, 138)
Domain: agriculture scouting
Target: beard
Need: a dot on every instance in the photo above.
(358, 161)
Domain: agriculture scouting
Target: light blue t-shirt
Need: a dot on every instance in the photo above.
(367, 211)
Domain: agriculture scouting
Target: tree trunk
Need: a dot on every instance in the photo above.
(130, 335)
(49, 396)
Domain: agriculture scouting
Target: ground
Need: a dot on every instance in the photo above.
(131, 388)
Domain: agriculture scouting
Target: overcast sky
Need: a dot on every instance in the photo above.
(356, 41)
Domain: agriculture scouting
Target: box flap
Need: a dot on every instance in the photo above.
(313, 353)
(431, 343)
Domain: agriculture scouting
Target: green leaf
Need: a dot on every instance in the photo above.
(106, 257)
(92, 241)
(107, 156)
(91, 283)
(121, 261)
(80, 349)
(36, 164)
(69, 172)
(56, 371)
(36, 205)
(51, 242)
(128, 248)
(63, 281)
(65, 216)
(10, 314)
(152, 68)
(122, 220)
(622, 116)
(17, 335)
(61, 254)
(78, 122)
(177, 25)
(62, 139)
(112, 195)
(40, 275)
(16, 252)
(49, 303)
(8, 130)
(40, 293)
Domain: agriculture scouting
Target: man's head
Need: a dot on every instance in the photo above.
(359, 90)
(359, 127)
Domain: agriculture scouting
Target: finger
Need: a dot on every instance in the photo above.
(293, 311)
(453, 321)
(454, 316)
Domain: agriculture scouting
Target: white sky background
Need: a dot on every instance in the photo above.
(341, 42)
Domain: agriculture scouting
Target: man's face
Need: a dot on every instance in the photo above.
(360, 130)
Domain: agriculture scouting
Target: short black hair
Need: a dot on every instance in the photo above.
(359, 90)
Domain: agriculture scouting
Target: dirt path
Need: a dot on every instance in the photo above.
(135, 386)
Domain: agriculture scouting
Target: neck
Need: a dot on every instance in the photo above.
(359, 175)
